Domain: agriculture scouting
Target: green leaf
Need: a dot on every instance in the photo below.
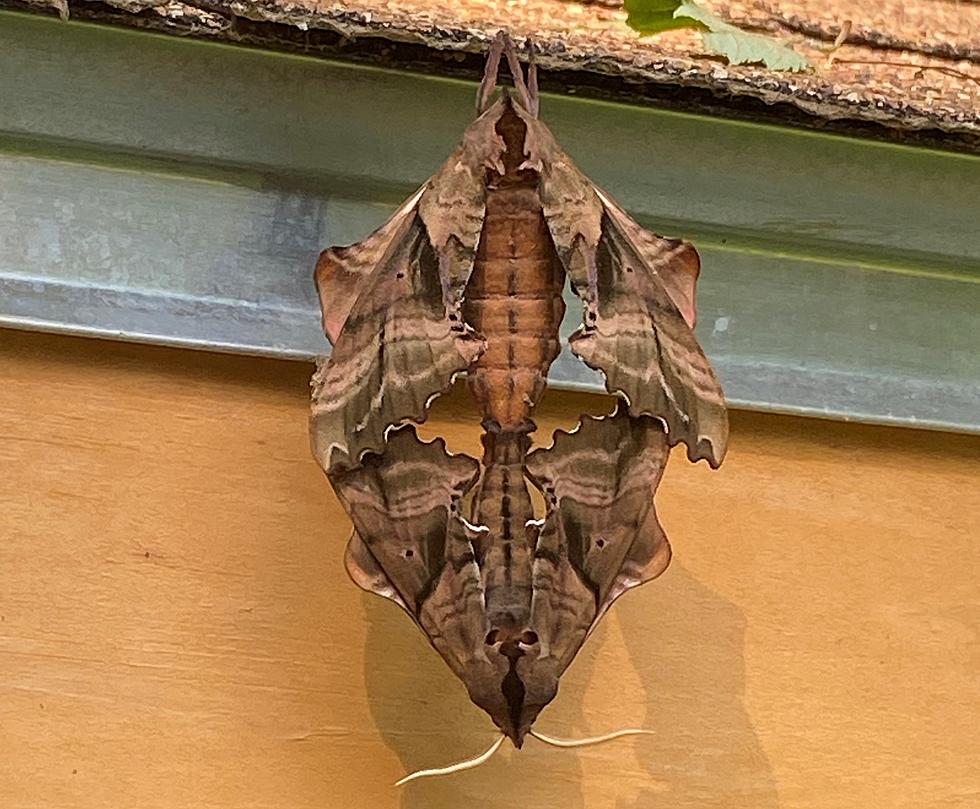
(653, 16)
(741, 47)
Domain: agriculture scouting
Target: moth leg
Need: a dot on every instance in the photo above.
(592, 280)
(489, 83)
(523, 94)
(532, 81)
(449, 258)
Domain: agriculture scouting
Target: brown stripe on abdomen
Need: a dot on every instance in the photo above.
(503, 503)
(514, 299)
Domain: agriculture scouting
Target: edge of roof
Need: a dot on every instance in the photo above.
(703, 87)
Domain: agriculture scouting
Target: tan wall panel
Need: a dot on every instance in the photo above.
(176, 628)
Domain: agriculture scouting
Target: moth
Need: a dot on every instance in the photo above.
(467, 277)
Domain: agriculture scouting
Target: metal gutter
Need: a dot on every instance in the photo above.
(177, 192)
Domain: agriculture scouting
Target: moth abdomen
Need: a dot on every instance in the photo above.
(514, 295)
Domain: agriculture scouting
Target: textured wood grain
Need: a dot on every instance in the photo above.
(176, 628)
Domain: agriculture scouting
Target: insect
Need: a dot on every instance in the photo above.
(467, 276)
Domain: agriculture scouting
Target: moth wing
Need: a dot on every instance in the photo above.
(409, 543)
(403, 503)
(674, 261)
(397, 346)
(390, 305)
(342, 272)
(638, 290)
(453, 203)
(643, 344)
(367, 573)
(600, 535)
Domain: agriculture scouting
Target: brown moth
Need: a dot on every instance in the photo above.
(467, 276)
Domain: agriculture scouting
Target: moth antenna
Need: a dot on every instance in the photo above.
(514, 64)
(489, 83)
(607, 737)
(469, 764)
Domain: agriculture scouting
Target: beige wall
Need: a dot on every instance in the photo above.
(176, 629)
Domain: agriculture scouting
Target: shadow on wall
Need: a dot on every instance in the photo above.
(685, 644)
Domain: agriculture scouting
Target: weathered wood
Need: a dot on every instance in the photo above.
(171, 572)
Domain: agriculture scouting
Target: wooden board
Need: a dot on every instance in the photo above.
(176, 628)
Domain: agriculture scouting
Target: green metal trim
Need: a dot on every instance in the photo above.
(177, 191)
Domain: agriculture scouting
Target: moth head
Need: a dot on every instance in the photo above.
(525, 88)
(511, 680)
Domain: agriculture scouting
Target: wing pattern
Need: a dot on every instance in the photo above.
(506, 595)
(600, 535)
(638, 291)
